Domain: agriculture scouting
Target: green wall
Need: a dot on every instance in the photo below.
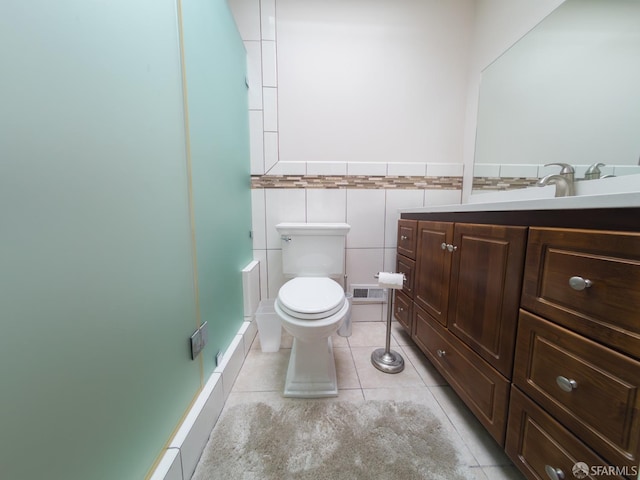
(97, 291)
(219, 134)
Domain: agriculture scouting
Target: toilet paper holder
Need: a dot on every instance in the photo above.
(385, 359)
(377, 275)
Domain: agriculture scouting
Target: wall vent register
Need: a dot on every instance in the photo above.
(368, 294)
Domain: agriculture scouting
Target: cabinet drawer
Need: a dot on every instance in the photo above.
(590, 388)
(407, 266)
(535, 442)
(481, 387)
(402, 310)
(608, 309)
(407, 237)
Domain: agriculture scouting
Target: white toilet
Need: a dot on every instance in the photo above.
(311, 305)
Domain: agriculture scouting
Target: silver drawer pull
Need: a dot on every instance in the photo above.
(404, 237)
(566, 384)
(400, 309)
(553, 473)
(452, 248)
(441, 353)
(579, 283)
(443, 246)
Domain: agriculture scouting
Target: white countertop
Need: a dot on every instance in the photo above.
(613, 200)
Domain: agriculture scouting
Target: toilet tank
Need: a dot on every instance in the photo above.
(313, 249)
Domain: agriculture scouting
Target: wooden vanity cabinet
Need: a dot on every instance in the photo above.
(466, 296)
(537, 328)
(468, 278)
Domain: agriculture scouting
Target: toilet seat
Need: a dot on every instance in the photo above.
(311, 298)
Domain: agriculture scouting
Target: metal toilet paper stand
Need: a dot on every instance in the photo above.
(385, 359)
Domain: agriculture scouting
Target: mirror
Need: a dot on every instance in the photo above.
(568, 91)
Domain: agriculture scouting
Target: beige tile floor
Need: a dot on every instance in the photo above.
(262, 379)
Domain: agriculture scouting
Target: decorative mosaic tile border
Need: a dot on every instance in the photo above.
(503, 183)
(356, 181)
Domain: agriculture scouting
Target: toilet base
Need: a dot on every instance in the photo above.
(312, 370)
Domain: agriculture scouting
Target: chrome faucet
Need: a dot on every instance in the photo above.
(564, 181)
(593, 172)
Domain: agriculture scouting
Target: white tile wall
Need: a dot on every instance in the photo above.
(365, 214)
(442, 197)
(371, 213)
(389, 260)
(326, 168)
(269, 70)
(396, 199)
(366, 168)
(275, 278)
(621, 170)
(256, 142)
(289, 168)
(283, 205)
(326, 205)
(270, 150)
(486, 170)
(371, 242)
(526, 171)
(247, 16)
(270, 109)
(261, 256)
(258, 220)
(254, 73)
(229, 367)
(407, 169)
(363, 264)
(268, 14)
(445, 169)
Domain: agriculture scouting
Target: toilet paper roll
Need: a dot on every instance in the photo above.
(390, 280)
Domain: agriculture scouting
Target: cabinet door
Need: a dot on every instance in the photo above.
(486, 282)
(431, 288)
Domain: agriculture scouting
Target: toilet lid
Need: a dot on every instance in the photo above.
(311, 297)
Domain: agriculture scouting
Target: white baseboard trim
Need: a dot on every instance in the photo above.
(183, 453)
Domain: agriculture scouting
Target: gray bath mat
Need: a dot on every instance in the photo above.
(329, 440)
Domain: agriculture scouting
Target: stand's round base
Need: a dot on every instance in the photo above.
(387, 362)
